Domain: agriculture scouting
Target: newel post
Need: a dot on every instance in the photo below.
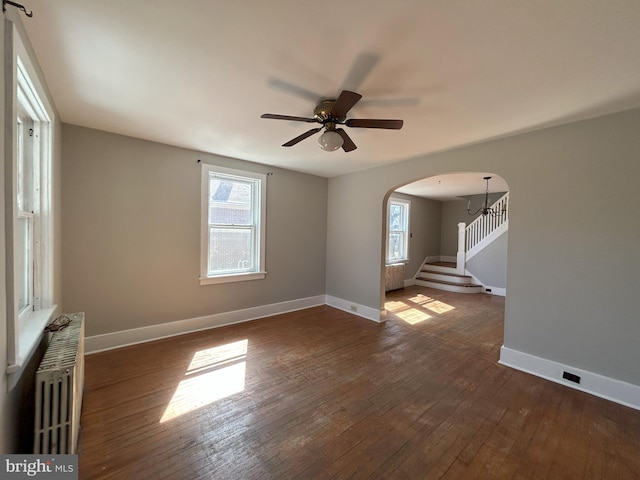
(461, 258)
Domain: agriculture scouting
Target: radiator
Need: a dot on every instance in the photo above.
(394, 276)
(59, 385)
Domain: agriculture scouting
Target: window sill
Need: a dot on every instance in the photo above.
(236, 277)
(31, 333)
(396, 262)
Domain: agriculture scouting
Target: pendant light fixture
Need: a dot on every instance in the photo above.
(485, 209)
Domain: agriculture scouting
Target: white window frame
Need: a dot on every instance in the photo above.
(28, 101)
(406, 204)
(259, 206)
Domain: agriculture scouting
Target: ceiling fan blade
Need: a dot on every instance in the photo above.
(344, 103)
(347, 143)
(371, 123)
(274, 116)
(299, 138)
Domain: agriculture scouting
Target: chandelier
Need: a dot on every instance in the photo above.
(485, 209)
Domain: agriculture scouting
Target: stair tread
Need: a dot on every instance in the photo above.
(466, 285)
(442, 264)
(435, 272)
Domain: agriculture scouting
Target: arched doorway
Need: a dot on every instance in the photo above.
(448, 232)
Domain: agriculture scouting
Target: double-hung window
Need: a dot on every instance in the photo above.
(398, 231)
(30, 238)
(233, 225)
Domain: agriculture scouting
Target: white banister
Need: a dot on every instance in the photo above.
(461, 260)
(484, 225)
(470, 236)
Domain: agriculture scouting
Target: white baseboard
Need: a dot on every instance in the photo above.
(357, 309)
(109, 341)
(608, 388)
(501, 292)
(410, 282)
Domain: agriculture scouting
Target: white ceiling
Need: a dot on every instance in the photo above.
(199, 73)
(454, 186)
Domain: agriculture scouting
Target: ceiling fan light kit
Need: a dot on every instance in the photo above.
(330, 113)
(330, 141)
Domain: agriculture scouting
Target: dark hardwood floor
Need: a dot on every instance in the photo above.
(320, 394)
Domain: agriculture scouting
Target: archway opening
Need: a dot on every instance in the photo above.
(447, 233)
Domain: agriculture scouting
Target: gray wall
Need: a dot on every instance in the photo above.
(453, 212)
(424, 225)
(16, 403)
(131, 217)
(571, 274)
(490, 265)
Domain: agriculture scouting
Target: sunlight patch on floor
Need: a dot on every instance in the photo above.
(435, 306)
(395, 306)
(413, 316)
(419, 308)
(439, 307)
(213, 374)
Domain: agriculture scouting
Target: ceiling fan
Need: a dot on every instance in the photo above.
(331, 113)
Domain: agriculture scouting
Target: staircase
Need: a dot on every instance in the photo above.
(472, 239)
(444, 276)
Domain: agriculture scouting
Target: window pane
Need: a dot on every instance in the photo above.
(231, 249)
(396, 246)
(395, 217)
(23, 262)
(230, 202)
(398, 231)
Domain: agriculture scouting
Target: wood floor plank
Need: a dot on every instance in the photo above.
(323, 394)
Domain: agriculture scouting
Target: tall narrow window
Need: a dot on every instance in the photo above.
(30, 306)
(232, 225)
(398, 233)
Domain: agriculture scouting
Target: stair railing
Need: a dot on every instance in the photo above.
(470, 236)
(484, 225)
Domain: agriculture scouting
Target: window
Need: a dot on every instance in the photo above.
(233, 212)
(30, 234)
(398, 231)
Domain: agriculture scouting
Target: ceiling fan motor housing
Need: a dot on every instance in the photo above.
(322, 112)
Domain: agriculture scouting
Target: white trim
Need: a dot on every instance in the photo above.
(25, 92)
(377, 315)
(123, 338)
(30, 335)
(459, 288)
(436, 268)
(238, 277)
(407, 229)
(608, 388)
(497, 291)
(260, 211)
